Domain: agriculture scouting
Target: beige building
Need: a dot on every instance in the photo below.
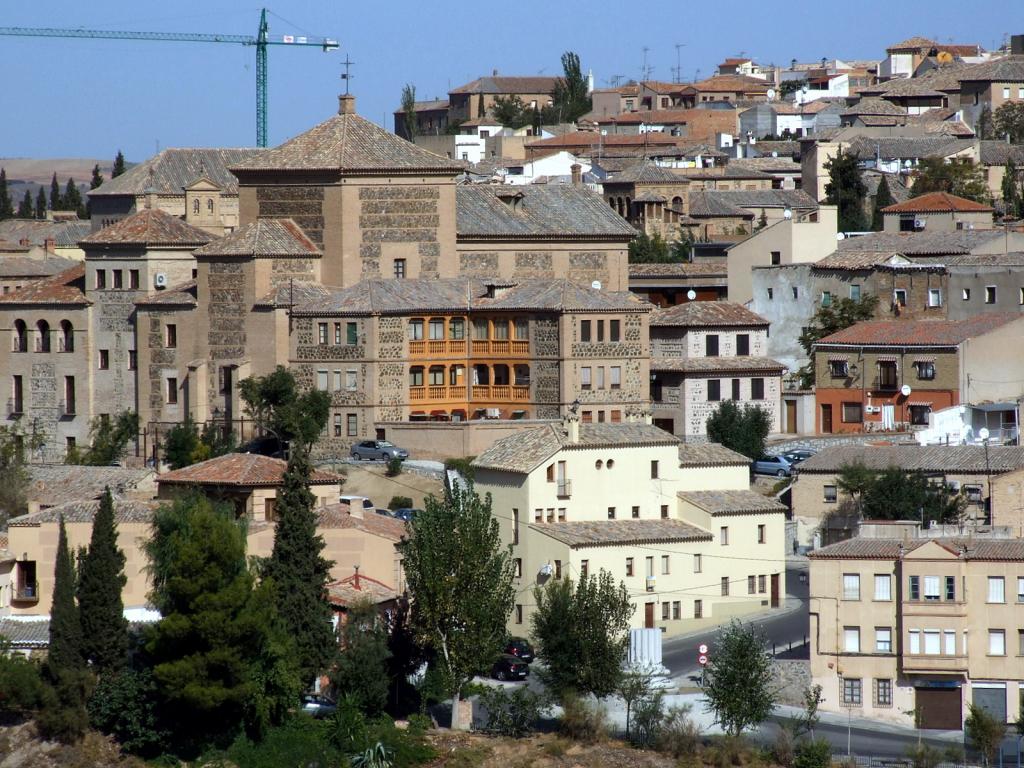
(677, 524)
(921, 625)
(937, 212)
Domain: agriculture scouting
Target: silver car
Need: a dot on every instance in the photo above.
(378, 449)
(773, 465)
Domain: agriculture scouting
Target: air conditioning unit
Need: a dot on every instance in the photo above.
(872, 409)
(160, 280)
(651, 583)
(494, 413)
(920, 223)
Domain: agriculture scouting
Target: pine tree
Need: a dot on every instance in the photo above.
(56, 199)
(118, 168)
(73, 198)
(6, 206)
(299, 570)
(104, 629)
(883, 199)
(94, 183)
(65, 653)
(41, 203)
(25, 209)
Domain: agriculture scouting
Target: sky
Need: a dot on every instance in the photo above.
(89, 98)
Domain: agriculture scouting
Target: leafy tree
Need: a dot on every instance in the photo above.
(459, 579)
(14, 477)
(845, 189)
(740, 429)
(124, 705)
(635, 685)
(221, 659)
(511, 111)
(960, 176)
(1011, 191)
(855, 480)
(739, 683)
(100, 581)
(809, 718)
(412, 128)
(791, 86)
(361, 671)
(109, 440)
(840, 314)
(56, 198)
(41, 203)
(119, 166)
(25, 208)
(582, 630)
(569, 99)
(6, 206)
(648, 249)
(21, 688)
(895, 494)
(1008, 122)
(883, 199)
(181, 444)
(300, 572)
(681, 250)
(275, 405)
(985, 731)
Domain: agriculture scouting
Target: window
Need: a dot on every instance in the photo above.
(698, 609)
(965, 294)
(337, 381)
(887, 374)
(743, 344)
(457, 328)
(558, 569)
(851, 691)
(776, 258)
(996, 589)
(337, 425)
(629, 566)
(771, 294)
(990, 294)
(697, 564)
(561, 514)
(676, 610)
(171, 336)
(171, 397)
(584, 330)
(883, 693)
(416, 330)
(399, 269)
(883, 639)
(899, 297)
(519, 613)
(796, 292)
(615, 376)
(664, 565)
(133, 360)
(855, 292)
(757, 389)
(18, 394)
(352, 333)
(915, 587)
(585, 378)
(350, 380)
(611, 513)
(538, 515)
(934, 297)
(949, 642)
(931, 588)
(914, 641)
(925, 369)
(613, 330)
(649, 567)
(831, 494)
(322, 381)
(725, 586)
(337, 333)
(352, 424)
(416, 376)
(883, 587)
(826, 298)
(853, 413)
(1006, 93)
(104, 360)
(133, 279)
(751, 585)
(636, 512)
(584, 568)
(118, 276)
(919, 415)
(600, 381)
(761, 535)
(851, 639)
(436, 375)
(101, 278)
(654, 470)
(723, 536)
(436, 328)
(851, 586)
(664, 511)
(714, 390)
(838, 369)
(711, 345)
(996, 642)
(600, 330)
(951, 587)
(735, 389)
(321, 333)
(1020, 589)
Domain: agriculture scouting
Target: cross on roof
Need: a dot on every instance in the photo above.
(347, 76)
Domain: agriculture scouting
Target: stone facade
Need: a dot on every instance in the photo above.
(302, 204)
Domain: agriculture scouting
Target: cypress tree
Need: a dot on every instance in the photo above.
(41, 203)
(65, 653)
(97, 177)
(6, 206)
(883, 199)
(104, 629)
(73, 198)
(56, 199)
(25, 209)
(118, 168)
(299, 570)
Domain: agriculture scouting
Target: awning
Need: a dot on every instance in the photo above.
(991, 407)
(887, 358)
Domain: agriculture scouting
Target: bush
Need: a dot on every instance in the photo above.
(400, 502)
(351, 734)
(582, 721)
(727, 751)
(299, 741)
(812, 754)
(924, 756)
(124, 706)
(21, 688)
(512, 712)
(62, 716)
(648, 716)
(463, 466)
(394, 467)
(678, 735)
(783, 750)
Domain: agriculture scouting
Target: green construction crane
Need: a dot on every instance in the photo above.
(260, 41)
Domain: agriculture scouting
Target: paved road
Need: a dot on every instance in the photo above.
(787, 626)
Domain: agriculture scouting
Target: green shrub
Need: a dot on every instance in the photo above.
(299, 741)
(394, 467)
(678, 735)
(922, 756)
(124, 706)
(21, 688)
(648, 716)
(512, 712)
(812, 754)
(400, 502)
(352, 734)
(582, 721)
(463, 466)
(62, 716)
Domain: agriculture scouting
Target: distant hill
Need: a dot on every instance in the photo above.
(30, 173)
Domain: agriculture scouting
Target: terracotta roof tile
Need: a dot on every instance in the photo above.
(613, 532)
(344, 592)
(65, 234)
(337, 516)
(709, 455)
(859, 260)
(19, 266)
(502, 84)
(150, 226)
(1005, 69)
(263, 238)
(931, 458)
(921, 243)
(594, 141)
(873, 106)
(732, 502)
(706, 314)
(687, 269)
(63, 289)
(732, 83)
(53, 484)
(938, 202)
(918, 333)
(84, 511)
(889, 549)
(239, 469)
(762, 365)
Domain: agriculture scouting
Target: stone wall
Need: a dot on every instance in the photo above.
(478, 264)
(406, 214)
(587, 266)
(160, 360)
(533, 264)
(391, 378)
(284, 270)
(44, 395)
(304, 205)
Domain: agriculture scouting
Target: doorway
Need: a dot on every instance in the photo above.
(649, 616)
(826, 419)
(790, 417)
(775, 590)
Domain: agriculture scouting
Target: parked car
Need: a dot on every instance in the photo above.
(378, 449)
(773, 465)
(318, 706)
(520, 648)
(406, 514)
(797, 455)
(510, 668)
(358, 501)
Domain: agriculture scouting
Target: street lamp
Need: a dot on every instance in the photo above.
(983, 433)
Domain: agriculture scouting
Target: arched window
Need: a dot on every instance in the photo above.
(67, 336)
(195, 206)
(20, 337)
(209, 205)
(677, 203)
(43, 339)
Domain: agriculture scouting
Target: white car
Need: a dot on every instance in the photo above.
(358, 501)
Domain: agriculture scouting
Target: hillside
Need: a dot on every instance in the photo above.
(30, 173)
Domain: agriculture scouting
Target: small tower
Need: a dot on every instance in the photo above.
(202, 206)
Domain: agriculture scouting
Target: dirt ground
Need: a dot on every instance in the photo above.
(368, 480)
(543, 751)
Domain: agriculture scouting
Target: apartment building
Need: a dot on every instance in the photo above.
(676, 523)
(938, 212)
(923, 627)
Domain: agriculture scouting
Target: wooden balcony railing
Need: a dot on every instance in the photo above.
(500, 347)
(501, 392)
(437, 393)
(438, 347)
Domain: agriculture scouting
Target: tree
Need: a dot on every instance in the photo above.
(41, 203)
(1008, 122)
(25, 208)
(299, 571)
(21, 688)
(6, 206)
(648, 249)
(896, 494)
(839, 314)
(73, 198)
(681, 250)
(569, 99)
(635, 685)
(985, 731)
(361, 671)
(56, 199)
(274, 403)
(459, 579)
(221, 660)
(845, 189)
(181, 444)
(762, 220)
(14, 477)
(119, 167)
(582, 630)
(739, 680)
(412, 127)
(809, 718)
(855, 480)
(960, 176)
(511, 112)
(740, 429)
(883, 199)
(94, 183)
(124, 705)
(1011, 191)
(109, 440)
(104, 628)
(985, 128)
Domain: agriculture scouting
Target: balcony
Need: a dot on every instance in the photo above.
(501, 392)
(26, 593)
(500, 347)
(438, 347)
(928, 664)
(564, 489)
(15, 406)
(437, 393)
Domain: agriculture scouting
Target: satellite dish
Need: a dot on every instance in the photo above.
(905, 390)
(983, 433)
(691, 294)
(771, 94)
(546, 570)
(788, 213)
(596, 285)
(944, 57)
(840, 236)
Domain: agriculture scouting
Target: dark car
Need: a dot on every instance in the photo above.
(378, 449)
(318, 706)
(773, 465)
(794, 457)
(520, 648)
(510, 668)
(406, 514)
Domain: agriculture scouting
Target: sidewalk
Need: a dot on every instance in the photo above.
(868, 724)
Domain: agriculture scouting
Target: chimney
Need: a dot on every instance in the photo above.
(1017, 45)
(355, 581)
(571, 424)
(50, 245)
(346, 104)
(577, 174)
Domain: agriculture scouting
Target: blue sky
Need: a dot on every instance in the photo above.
(87, 98)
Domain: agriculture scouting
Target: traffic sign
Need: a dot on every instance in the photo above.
(702, 649)
(702, 659)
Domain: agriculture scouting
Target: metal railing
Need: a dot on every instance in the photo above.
(564, 489)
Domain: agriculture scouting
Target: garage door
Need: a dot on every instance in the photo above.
(992, 699)
(940, 708)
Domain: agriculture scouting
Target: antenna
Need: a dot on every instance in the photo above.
(679, 68)
(347, 75)
(643, 70)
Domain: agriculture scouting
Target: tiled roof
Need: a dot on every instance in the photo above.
(20, 266)
(347, 143)
(732, 501)
(293, 294)
(595, 140)
(84, 511)
(1005, 69)
(685, 269)
(709, 455)
(873, 106)
(645, 171)
(183, 295)
(240, 469)
(175, 169)
(497, 84)
(796, 199)
(921, 243)
(858, 260)
(150, 226)
(769, 164)
(427, 106)
(542, 211)
(337, 516)
(26, 633)
(63, 289)
(344, 592)
(889, 549)
(65, 234)
(897, 189)
(7, 247)
(782, 148)
(463, 294)
(918, 333)
(906, 147)
(916, 43)
(263, 238)
(714, 364)
(524, 451)
(993, 152)
(732, 83)
(53, 484)
(603, 533)
(938, 202)
(707, 203)
(930, 458)
(706, 313)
